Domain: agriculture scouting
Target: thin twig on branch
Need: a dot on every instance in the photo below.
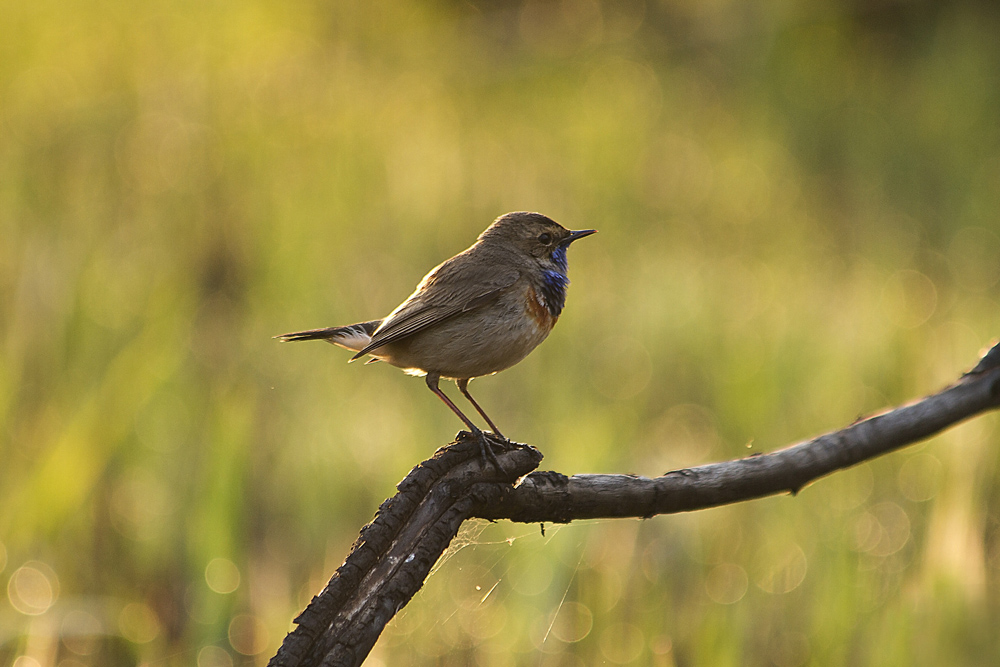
(394, 553)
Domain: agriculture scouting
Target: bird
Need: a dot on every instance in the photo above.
(475, 314)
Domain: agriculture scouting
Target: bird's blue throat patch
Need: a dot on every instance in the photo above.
(559, 259)
(554, 283)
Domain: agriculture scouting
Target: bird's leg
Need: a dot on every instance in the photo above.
(463, 386)
(432, 383)
(487, 452)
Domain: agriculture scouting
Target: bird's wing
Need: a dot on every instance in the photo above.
(448, 290)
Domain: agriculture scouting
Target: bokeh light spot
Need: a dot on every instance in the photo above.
(661, 644)
(686, 434)
(622, 643)
(895, 525)
(139, 503)
(248, 634)
(852, 488)
(73, 662)
(138, 623)
(881, 531)
(81, 632)
(909, 298)
(213, 656)
(573, 622)
(786, 571)
(33, 588)
(222, 575)
(726, 583)
(485, 622)
(865, 533)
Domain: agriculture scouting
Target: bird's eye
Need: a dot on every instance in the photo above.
(544, 238)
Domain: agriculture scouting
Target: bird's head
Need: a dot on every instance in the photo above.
(534, 235)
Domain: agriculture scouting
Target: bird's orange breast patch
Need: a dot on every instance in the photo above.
(538, 312)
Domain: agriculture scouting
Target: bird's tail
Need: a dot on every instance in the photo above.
(353, 337)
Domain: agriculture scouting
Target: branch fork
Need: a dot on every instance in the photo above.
(395, 552)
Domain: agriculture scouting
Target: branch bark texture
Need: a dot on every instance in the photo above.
(549, 496)
(395, 552)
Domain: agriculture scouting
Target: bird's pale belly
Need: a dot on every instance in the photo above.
(477, 343)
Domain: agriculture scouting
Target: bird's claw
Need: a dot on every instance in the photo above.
(486, 449)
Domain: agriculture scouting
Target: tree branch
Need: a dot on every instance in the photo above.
(394, 554)
(550, 496)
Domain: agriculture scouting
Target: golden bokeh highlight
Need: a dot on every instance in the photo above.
(726, 583)
(222, 575)
(485, 622)
(573, 622)
(138, 623)
(909, 298)
(622, 643)
(33, 588)
(81, 632)
(248, 634)
(213, 656)
(784, 568)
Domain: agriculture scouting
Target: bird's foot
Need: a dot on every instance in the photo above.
(486, 449)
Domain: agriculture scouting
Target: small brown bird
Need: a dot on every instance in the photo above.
(478, 313)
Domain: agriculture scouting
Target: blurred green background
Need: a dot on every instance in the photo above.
(798, 205)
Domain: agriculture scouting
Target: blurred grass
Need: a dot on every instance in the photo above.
(798, 215)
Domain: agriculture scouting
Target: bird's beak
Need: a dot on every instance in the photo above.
(573, 236)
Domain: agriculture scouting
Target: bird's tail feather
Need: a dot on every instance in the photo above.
(353, 337)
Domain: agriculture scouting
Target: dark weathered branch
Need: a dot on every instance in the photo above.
(549, 496)
(395, 553)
